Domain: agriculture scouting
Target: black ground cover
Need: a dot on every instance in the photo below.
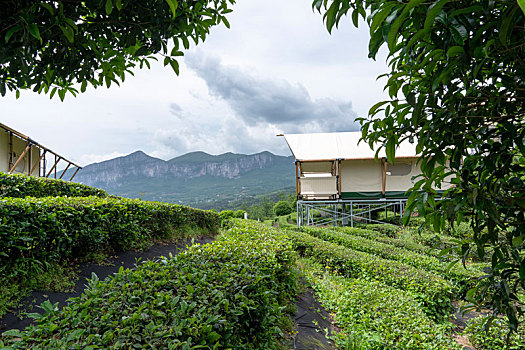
(127, 259)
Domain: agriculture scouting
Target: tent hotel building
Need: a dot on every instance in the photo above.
(19, 154)
(341, 177)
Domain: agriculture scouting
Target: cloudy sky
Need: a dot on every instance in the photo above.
(277, 70)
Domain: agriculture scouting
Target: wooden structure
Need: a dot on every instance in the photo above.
(19, 154)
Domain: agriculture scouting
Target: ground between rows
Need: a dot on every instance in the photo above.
(311, 319)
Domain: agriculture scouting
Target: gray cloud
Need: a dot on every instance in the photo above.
(260, 101)
(175, 109)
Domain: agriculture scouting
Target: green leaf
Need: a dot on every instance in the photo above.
(379, 17)
(118, 4)
(173, 7)
(390, 149)
(225, 21)
(459, 33)
(521, 3)
(392, 34)
(522, 270)
(175, 66)
(12, 31)
(48, 7)
(432, 13)
(506, 28)
(109, 7)
(13, 333)
(455, 51)
(518, 241)
(68, 33)
(355, 18)
(35, 32)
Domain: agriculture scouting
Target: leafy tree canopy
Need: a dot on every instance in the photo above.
(457, 86)
(282, 208)
(49, 46)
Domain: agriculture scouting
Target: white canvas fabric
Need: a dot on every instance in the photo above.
(338, 145)
(319, 185)
(361, 176)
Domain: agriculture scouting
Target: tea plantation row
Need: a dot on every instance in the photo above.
(46, 224)
(61, 228)
(390, 293)
(20, 186)
(233, 293)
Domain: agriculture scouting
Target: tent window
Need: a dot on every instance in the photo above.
(399, 169)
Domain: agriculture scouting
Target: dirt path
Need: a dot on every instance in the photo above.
(126, 259)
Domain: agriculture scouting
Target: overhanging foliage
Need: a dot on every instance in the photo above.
(456, 84)
(49, 46)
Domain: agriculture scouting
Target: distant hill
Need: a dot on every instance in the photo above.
(198, 179)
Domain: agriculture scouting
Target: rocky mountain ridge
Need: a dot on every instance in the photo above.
(195, 178)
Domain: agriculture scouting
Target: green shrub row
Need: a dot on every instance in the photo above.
(406, 240)
(230, 294)
(464, 278)
(60, 228)
(434, 292)
(374, 316)
(20, 186)
(386, 229)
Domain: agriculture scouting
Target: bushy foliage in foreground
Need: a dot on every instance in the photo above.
(464, 278)
(374, 316)
(495, 336)
(231, 293)
(59, 228)
(434, 292)
(20, 186)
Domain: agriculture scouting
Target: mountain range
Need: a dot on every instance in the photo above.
(197, 179)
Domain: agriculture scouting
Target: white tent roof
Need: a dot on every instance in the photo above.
(338, 145)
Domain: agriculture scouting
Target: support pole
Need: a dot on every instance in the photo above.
(20, 158)
(10, 149)
(351, 214)
(29, 161)
(76, 171)
(37, 163)
(64, 172)
(54, 167)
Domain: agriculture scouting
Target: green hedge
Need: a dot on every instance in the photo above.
(232, 293)
(60, 228)
(410, 244)
(433, 291)
(20, 186)
(386, 229)
(464, 278)
(374, 316)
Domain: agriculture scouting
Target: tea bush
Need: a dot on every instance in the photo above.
(464, 278)
(494, 338)
(386, 229)
(434, 292)
(413, 244)
(20, 186)
(232, 293)
(374, 316)
(61, 228)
